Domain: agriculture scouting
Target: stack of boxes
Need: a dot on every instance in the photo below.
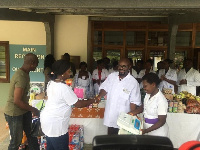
(42, 142)
(76, 137)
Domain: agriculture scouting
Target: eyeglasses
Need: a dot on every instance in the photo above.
(123, 66)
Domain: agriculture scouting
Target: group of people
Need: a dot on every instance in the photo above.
(186, 79)
(121, 84)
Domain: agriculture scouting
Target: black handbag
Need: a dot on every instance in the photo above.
(36, 129)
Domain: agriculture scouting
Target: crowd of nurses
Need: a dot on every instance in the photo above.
(187, 79)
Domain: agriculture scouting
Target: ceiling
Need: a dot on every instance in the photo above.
(105, 7)
(111, 11)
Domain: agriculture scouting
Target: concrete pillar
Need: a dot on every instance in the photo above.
(172, 41)
(49, 27)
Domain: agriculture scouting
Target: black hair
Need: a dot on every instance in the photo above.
(188, 59)
(58, 68)
(83, 64)
(169, 61)
(131, 60)
(140, 62)
(106, 59)
(66, 55)
(151, 78)
(115, 63)
(48, 61)
(100, 61)
(150, 61)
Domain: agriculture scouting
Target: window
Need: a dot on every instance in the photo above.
(4, 62)
(113, 38)
(197, 41)
(135, 38)
(158, 38)
(184, 38)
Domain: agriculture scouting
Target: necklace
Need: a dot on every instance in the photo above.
(59, 80)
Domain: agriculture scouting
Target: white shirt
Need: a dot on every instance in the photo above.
(193, 80)
(111, 71)
(56, 114)
(141, 74)
(120, 94)
(95, 76)
(134, 73)
(153, 107)
(171, 75)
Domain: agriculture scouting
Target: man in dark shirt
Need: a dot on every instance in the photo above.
(18, 112)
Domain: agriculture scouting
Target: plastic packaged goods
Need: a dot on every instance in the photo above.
(76, 137)
(69, 82)
(95, 105)
(101, 104)
(171, 103)
(174, 109)
(175, 104)
(170, 109)
(90, 106)
(43, 143)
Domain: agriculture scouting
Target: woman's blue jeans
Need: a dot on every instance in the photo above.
(58, 143)
(18, 124)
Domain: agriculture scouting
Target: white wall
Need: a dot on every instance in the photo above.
(71, 36)
(23, 32)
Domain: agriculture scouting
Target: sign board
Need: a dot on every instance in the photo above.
(17, 53)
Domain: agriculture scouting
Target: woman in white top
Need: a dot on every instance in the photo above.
(56, 114)
(99, 75)
(154, 107)
(83, 79)
(168, 77)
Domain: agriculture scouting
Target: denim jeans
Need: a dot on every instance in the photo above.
(58, 143)
(18, 124)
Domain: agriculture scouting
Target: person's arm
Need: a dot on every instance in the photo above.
(168, 80)
(160, 123)
(18, 94)
(134, 111)
(85, 103)
(101, 93)
(135, 99)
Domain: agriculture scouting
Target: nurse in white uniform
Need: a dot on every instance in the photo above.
(168, 76)
(99, 75)
(188, 78)
(154, 107)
